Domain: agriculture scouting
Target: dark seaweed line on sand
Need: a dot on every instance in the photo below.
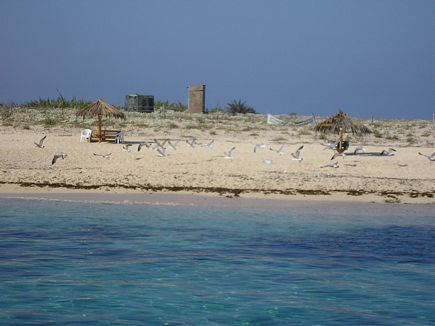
(223, 191)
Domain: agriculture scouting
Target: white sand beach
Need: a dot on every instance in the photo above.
(406, 177)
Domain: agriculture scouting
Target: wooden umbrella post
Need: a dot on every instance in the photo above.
(100, 122)
(340, 143)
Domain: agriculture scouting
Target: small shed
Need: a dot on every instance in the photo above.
(139, 103)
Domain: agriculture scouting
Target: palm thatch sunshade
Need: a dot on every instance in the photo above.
(99, 108)
(342, 122)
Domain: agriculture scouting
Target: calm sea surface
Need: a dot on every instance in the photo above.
(74, 263)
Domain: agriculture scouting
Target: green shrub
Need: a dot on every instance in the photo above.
(377, 134)
(49, 121)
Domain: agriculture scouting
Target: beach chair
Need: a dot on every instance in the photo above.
(120, 137)
(85, 135)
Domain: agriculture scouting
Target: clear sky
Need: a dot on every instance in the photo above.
(366, 57)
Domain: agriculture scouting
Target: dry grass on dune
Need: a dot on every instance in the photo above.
(178, 124)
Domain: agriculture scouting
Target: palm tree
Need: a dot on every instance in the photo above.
(239, 106)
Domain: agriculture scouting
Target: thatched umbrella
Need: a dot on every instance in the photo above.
(98, 109)
(340, 123)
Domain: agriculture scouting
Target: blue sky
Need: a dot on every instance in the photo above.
(368, 58)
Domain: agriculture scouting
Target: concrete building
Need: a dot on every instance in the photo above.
(139, 103)
(196, 100)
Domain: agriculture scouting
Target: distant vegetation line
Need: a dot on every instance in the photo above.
(234, 107)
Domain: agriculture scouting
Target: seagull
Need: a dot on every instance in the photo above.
(330, 145)
(333, 165)
(192, 142)
(267, 161)
(57, 156)
(210, 144)
(159, 144)
(430, 157)
(106, 156)
(388, 152)
(228, 154)
(280, 150)
(40, 142)
(359, 150)
(162, 151)
(139, 147)
(126, 147)
(297, 155)
(338, 154)
(258, 146)
(173, 146)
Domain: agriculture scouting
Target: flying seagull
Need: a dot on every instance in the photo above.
(330, 145)
(338, 154)
(126, 147)
(140, 145)
(41, 141)
(279, 150)
(256, 146)
(173, 146)
(359, 150)
(229, 152)
(57, 156)
(191, 142)
(159, 144)
(296, 156)
(430, 157)
(210, 144)
(162, 151)
(106, 156)
(333, 165)
(388, 152)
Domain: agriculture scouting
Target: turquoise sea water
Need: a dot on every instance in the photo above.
(75, 263)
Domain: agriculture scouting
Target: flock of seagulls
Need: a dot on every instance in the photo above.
(359, 150)
(161, 146)
(40, 144)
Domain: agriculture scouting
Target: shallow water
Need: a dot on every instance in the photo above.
(70, 263)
